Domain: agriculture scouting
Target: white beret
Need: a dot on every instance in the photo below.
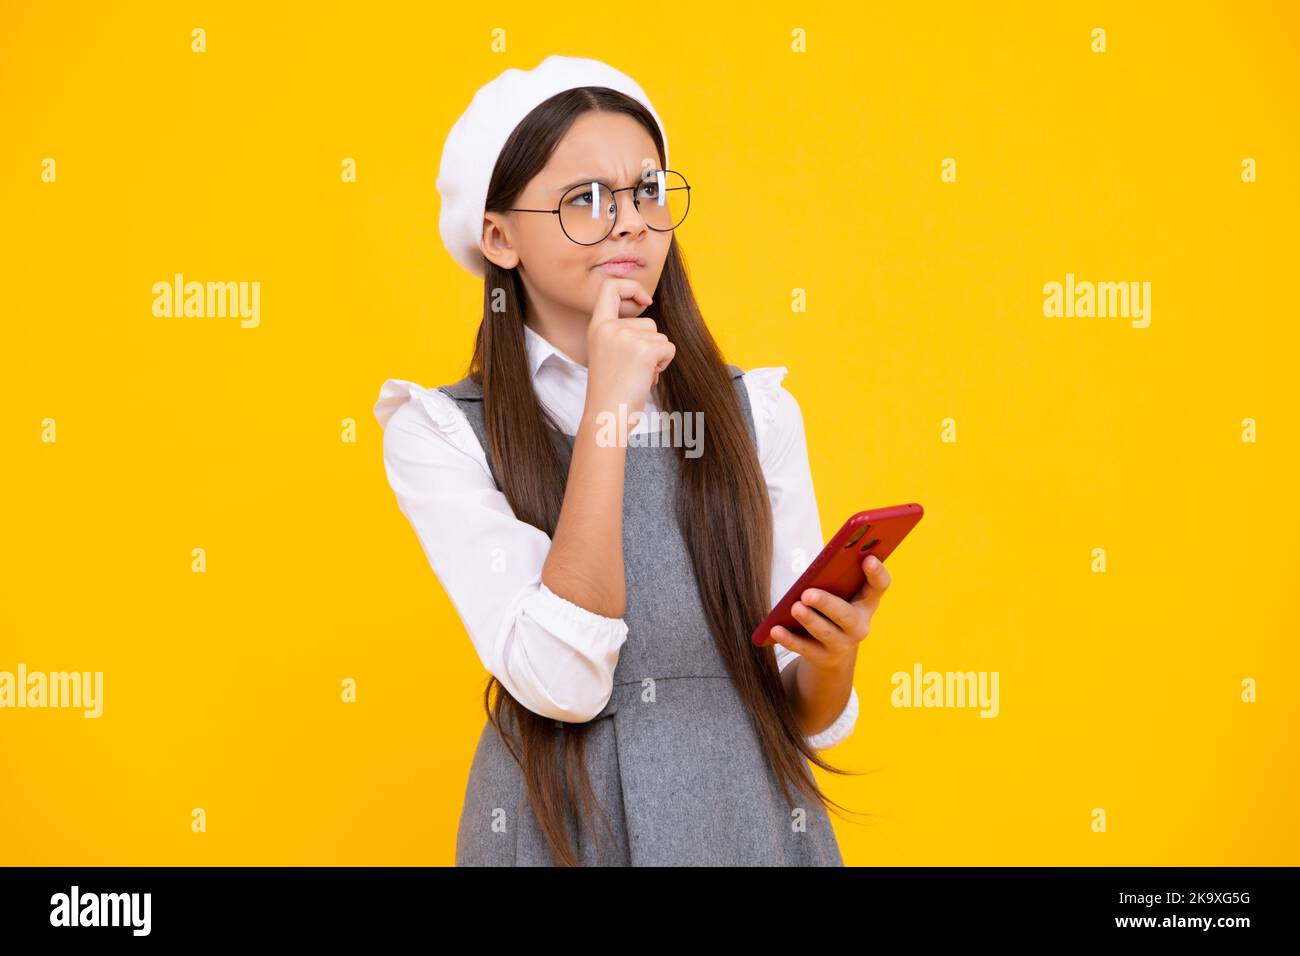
(470, 153)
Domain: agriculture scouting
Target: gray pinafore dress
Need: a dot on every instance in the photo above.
(673, 757)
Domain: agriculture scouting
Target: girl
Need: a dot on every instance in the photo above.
(611, 585)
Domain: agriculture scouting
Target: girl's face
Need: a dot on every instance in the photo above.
(559, 275)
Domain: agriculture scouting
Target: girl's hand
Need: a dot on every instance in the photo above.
(624, 354)
(841, 625)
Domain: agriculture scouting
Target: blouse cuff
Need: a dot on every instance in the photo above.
(561, 616)
(839, 730)
(844, 723)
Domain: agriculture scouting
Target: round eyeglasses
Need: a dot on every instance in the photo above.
(589, 210)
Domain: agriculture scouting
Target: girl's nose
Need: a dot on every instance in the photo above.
(629, 217)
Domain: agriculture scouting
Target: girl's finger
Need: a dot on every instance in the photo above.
(840, 611)
(793, 642)
(609, 299)
(825, 631)
(878, 581)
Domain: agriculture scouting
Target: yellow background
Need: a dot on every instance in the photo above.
(817, 171)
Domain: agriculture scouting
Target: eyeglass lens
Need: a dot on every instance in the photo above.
(588, 211)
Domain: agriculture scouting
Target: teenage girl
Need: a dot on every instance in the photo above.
(610, 586)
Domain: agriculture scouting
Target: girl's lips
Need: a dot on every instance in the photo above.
(623, 267)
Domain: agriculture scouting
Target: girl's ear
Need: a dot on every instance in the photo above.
(495, 243)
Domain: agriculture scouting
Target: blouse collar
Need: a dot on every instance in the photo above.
(540, 350)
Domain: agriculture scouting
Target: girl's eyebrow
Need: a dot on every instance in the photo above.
(582, 182)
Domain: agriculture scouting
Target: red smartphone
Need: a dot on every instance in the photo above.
(838, 569)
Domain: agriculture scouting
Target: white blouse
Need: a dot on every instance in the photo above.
(554, 657)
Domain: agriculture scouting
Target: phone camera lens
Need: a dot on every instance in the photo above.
(853, 539)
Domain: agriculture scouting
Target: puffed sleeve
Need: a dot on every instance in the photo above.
(796, 525)
(553, 656)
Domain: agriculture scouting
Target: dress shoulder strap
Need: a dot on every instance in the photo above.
(466, 389)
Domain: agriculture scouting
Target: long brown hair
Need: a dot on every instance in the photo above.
(722, 504)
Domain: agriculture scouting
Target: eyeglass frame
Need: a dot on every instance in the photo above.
(613, 222)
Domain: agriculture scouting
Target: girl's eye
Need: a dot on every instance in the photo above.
(650, 191)
(584, 198)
